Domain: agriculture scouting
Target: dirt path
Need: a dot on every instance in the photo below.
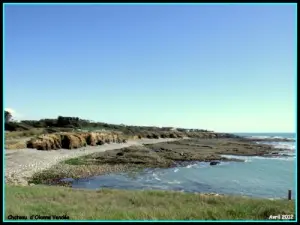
(21, 164)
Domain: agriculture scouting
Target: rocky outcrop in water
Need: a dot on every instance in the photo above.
(270, 139)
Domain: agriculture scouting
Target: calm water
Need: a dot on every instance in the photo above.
(257, 176)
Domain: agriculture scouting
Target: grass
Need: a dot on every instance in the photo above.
(18, 139)
(15, 144)
(108, 204)
(75, 161)
(26, 133)
(53, 175)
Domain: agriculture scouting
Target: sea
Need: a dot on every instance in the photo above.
(259, 177)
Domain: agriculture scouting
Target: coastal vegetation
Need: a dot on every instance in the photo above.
(109, 204)
(73, 132)
(76, 123)
(180, 147)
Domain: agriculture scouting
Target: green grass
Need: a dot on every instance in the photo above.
(75, 161)
(107, 204)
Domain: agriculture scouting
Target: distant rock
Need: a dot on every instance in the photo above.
(255, 139)
(214, 163)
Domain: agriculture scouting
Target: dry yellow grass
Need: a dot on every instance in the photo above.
(26, 133)
(15, 144)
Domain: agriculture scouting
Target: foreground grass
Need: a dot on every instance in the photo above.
(107, 204)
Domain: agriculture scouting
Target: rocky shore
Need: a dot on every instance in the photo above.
(164, 154)
(87, 153)
(22, 164)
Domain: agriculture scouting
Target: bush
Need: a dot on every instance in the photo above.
(14, 126)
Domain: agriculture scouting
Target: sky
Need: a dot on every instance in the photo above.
(227, 68)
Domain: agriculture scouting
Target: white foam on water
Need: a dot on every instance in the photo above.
(268, 137)
(174, 182)
(281, 145)
(258, 137)
(190, 166)
(278, 137)
(283, 159)
(155, 176)
(250, 158)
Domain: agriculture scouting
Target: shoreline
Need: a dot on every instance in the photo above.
(160, 153)
(21, 164)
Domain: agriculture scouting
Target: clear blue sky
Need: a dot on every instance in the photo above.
(220, 67)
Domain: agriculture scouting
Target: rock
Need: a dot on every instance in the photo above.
(155, 136)
(207, 146)
(45, 142)
(163, 135)
(173, 135)
(101, 142)
(91, 139)
(73, 140)
(214, 163)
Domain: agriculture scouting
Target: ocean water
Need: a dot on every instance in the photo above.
(257, 176)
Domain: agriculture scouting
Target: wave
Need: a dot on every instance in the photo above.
(257, 137)
(283, 145)
(191, 165)
(280, 145)
(269, 137)
(174, 182)
(250, 158)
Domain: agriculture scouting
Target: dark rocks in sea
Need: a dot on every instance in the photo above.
(277, 155)
(225, 135)
(269, 139)
(213, 163)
